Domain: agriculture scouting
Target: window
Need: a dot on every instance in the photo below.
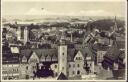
(17, 69)
(78, 72)
(69, 65)
(78, 65)
(62, 68)
(73, 72)
(63, 48)
(73, 65)
(27, 67)
(90, 64)
(63, 53)
(67, 73)
(78, 58)
(55, 66)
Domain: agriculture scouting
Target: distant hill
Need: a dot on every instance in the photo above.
(105, 24)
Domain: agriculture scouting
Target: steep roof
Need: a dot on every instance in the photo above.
(71, 54)
(113, 52)
(86, 52)
(39, 52)
(54, 52)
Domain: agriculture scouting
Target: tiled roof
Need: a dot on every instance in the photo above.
(71, 54)
(54, 52)
(10, 58)
(100, 47)
(86, 52)
(113, 52)
(39, 52)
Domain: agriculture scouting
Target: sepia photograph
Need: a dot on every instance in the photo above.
(70, 40)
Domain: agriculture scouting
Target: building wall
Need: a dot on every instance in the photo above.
(71, 69)
(24, 70)
(33, 60)
(55, 67)
(79, 63)
(10, 71)
(100, 55)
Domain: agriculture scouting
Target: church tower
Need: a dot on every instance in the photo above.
(18, 33)
(26, 35)
(62, 55)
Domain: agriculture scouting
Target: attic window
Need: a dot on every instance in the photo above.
(78, 58)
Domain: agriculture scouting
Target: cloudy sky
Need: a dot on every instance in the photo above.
(73, 8)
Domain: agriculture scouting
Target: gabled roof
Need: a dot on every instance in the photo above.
(71, 54)
(85, 52)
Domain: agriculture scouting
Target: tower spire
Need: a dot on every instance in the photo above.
(115, 25)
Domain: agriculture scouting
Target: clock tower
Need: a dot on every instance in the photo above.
(62, 55)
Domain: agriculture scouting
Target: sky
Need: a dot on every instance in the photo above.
(73, 8)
